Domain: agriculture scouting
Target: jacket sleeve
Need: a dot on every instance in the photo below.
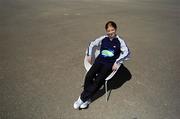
(125, 53)
(96, 42)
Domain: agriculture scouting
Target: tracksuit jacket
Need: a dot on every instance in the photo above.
(111, 51)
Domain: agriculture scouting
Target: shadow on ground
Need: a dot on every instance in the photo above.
(121, 77)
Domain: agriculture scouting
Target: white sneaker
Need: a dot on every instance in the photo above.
(78, 103)
(85, 104)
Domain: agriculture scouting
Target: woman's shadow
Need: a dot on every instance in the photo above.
(121, 76)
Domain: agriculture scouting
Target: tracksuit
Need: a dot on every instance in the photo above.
(111, 51)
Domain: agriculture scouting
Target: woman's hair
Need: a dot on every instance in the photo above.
(110, 24)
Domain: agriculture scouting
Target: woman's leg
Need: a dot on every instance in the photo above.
(93, 86)
(89, 80)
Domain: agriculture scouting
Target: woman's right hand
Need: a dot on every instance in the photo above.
(89, 59)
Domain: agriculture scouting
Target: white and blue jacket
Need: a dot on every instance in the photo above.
(111, 51)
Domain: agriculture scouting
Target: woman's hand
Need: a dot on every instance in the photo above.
(115, 66)
(89, 59)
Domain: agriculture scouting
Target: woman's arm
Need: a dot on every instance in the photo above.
(124, 52)
(96, 42)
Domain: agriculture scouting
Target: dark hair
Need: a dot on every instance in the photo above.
(110, 24)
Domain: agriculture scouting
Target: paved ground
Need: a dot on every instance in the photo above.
(42, 45)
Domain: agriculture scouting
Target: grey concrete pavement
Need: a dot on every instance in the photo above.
(42, 44)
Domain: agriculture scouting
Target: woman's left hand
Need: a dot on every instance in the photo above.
(115, 66)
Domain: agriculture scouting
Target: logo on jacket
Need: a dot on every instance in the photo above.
(107, 53)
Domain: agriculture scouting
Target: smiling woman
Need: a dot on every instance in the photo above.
(111, 28)
(113, 51)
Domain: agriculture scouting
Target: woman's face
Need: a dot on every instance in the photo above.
(111, 32)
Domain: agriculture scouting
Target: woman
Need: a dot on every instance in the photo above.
(113, 51)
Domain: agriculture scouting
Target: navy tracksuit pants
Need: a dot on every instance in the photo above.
(95, 78)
